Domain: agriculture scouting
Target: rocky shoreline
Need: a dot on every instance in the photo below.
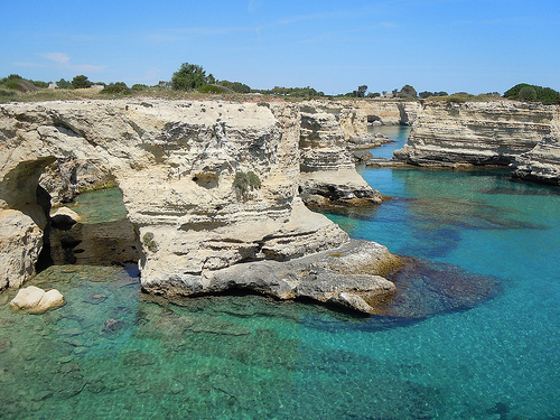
(214, 193)
(524, 136)
(217, 194)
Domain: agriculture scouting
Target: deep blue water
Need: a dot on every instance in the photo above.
(113, 352)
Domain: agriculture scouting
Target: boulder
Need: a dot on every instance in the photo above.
(21, 240)
(36, 301)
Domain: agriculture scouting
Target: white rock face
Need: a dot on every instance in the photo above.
(327, 168)
(36, 301)
(176, 164)
(21, 240)
(476, 133)
(542, 163)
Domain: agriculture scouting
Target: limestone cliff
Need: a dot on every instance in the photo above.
(542, 163)
(208, 186)
(478, 133)
(328, 174)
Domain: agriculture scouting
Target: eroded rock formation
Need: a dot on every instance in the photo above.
(542, 163)
(210, 187)
(328, 174)
(479, 133)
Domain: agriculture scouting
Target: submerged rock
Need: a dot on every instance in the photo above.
(425, 288)
(36, 301)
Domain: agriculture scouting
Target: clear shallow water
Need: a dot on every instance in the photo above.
(399, 135)
(114, 352)
(101, 206)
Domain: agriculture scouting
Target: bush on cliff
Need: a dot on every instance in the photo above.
(189, 77)
(246, 181)
(119, 88)
(524, 92)
(407, 92)
(81, 82)
(235, 86)
(213, 89)
(16, 82)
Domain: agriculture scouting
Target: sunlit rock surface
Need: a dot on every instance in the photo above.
(542, 163)
(176, 164)
(479, 133)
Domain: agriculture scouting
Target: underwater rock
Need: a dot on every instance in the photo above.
(111, 325)
(36, 301)
(5, 344)
(425, 288)
(346, 276)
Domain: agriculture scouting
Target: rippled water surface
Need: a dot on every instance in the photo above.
(114, 352)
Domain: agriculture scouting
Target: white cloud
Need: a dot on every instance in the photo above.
(62, 61)
(57, 57)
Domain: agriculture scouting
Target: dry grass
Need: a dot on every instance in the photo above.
(465, 97)
(165, 94)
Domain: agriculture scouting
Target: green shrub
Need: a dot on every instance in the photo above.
(527, 94)
(7, 93)
(246, 181)
(212, 89)
(138, 87)
(235, 86)
(523, 91)
(149, 242)
(189, 77)
(116, 88)
(40, 84)
(81, 82)
(64, 84)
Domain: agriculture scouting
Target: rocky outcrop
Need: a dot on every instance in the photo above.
(328, 174)
(475, 133)
(208, 186)
(21, 241)
(342, 277)
(67, 177)
(35, 300)
(542, 163)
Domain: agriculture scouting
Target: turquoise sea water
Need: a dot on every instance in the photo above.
(113, 352)
(399, 135)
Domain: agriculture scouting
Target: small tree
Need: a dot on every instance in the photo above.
(189, 77)
(408, 91)
(245, 182)
(116, 88)
(139, 87)
(81, 82)
(64, 84)
(361, 92)
(527, 94)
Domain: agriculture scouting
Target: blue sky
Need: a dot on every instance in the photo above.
(452, 45)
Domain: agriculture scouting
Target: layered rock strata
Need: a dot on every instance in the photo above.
(208, 186)
(542, 163)
(475, 133)
(328, 174)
